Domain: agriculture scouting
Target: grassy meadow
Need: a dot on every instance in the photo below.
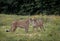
(51, 26)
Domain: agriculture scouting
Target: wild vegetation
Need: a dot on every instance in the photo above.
(51, 25)
(30, 7)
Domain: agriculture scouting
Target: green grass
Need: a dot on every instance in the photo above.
(51, 33)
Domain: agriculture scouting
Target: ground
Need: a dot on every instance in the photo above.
(51, 25)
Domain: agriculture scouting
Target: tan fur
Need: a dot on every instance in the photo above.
(20, 23)
(37, 23)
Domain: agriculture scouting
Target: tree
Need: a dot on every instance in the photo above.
(30, 7)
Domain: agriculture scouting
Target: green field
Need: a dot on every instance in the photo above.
(51, 25)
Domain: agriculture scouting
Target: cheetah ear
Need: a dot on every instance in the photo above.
(30, 18)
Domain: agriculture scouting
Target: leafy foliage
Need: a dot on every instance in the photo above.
(29, 7)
